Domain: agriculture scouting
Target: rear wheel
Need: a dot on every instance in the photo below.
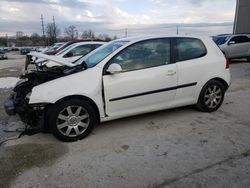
(72, 120)
(211, 96)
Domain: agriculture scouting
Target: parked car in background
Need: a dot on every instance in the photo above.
(234, 46)
(26, 50)
(66, 44)
(221, 39)
(3, 55)
(122, 78)
(73, 52)
(52, 48)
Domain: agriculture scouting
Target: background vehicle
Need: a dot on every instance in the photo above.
(64, 45)
(122, 78)
(3, 55)
(74, 52)
(52, 48)
(234, 46)
(221, 39)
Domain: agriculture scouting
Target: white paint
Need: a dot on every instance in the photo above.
(8, 82)
(90, 83)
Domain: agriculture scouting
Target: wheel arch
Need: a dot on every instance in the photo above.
(81, 97)
(225, 84)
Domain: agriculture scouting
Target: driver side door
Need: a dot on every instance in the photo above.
(147, 81)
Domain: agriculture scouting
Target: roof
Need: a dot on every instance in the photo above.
(133, 39)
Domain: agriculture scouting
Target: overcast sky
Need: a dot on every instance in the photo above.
(113, 16)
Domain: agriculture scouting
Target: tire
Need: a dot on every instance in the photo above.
(72, 120)
(211, 96)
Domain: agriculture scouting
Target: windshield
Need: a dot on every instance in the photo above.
(65, 49)
(221, 40)
(101, 53)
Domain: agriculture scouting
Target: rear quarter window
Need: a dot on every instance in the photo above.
(189, 48)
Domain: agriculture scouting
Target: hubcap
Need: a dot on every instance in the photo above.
(213, 96)
(72, 121)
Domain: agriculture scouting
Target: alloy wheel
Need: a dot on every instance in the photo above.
(213, 96)
(72, 121)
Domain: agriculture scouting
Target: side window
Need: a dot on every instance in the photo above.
(189, 48)
(240, 39)
(145, 54)
(243, 39)
(234, 39)
(80, 51)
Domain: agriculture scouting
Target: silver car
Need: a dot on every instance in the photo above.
(234, 46)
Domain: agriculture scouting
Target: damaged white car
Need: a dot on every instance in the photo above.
(122, 78)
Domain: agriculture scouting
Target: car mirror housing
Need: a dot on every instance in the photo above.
(114, 68)
(231, 42)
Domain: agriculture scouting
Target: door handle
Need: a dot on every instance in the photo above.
(171, 73)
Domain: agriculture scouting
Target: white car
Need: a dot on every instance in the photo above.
(234, 46)
(72, 52)
(122, 78)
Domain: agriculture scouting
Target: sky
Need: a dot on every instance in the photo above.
(140, 17)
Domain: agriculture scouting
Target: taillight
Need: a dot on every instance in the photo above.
(227, 63)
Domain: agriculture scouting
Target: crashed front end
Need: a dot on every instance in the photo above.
(18, 103)
(33, 115)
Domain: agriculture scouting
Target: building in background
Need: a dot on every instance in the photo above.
(242, 17)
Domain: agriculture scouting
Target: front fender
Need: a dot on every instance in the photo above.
(87, 83)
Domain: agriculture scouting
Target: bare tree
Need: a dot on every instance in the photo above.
(19, 34)
(88, 34)
(105, 37)
(71, 32)
(52, 32)
(36, 39)
(115, 37)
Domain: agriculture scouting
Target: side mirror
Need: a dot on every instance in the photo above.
(231, 42)
(114, 68)
(69, 54)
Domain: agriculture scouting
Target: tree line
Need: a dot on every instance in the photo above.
(52, 35)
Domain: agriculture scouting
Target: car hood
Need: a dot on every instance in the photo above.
(56, 59)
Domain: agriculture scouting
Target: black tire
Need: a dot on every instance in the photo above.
(211, 101)
(61, 117)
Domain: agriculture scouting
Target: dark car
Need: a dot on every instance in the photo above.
(24, 51)
(2, 55)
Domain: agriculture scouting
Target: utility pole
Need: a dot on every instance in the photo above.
(54, 24)
(44, 42)
(6, 37)
(177, 29)
(126, 32)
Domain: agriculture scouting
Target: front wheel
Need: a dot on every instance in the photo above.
(211, 96)
(72, 120)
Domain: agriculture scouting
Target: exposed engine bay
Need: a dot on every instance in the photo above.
(18, 101)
